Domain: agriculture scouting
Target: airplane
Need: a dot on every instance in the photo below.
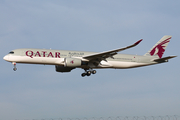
(67, 60)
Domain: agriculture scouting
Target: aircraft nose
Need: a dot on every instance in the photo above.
(6, 57)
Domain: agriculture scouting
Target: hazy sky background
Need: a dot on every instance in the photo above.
(37, 91)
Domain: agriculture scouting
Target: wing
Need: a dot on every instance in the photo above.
(103, 55)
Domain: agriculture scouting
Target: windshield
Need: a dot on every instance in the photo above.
(11, 52)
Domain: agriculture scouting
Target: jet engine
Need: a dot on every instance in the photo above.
(72, 62)
(69, 64)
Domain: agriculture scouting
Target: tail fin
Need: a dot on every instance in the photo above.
(159, 48)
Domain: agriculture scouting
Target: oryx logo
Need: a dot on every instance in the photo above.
(160, 48)
(72, 62)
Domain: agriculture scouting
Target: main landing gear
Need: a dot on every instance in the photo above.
(88, 73)
(14, 66)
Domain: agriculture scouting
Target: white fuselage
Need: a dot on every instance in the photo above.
(56, 57)
(65, 61)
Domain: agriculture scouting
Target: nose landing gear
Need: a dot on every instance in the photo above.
(14, 66)
(88, 73)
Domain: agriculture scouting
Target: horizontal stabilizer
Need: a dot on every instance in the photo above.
(165, 59)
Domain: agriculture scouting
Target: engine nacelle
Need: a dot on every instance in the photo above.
(63, 69)
(69, 64)
(72, 62)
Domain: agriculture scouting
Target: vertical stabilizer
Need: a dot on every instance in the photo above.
(159, 48)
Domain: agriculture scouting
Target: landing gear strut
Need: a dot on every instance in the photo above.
(14, 66)
(88, 73)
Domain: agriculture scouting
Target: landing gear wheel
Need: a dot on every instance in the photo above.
(93, 72)
(14, 69)
(88, 72)
(83, 74)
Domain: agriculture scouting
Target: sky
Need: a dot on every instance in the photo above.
(37, 91)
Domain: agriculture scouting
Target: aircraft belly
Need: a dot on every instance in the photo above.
(123, 65)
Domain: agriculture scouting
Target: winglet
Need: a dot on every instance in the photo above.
(138, 42)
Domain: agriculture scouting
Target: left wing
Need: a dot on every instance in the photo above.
(103, 55)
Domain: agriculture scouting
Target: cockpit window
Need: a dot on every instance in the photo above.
(11, 52)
